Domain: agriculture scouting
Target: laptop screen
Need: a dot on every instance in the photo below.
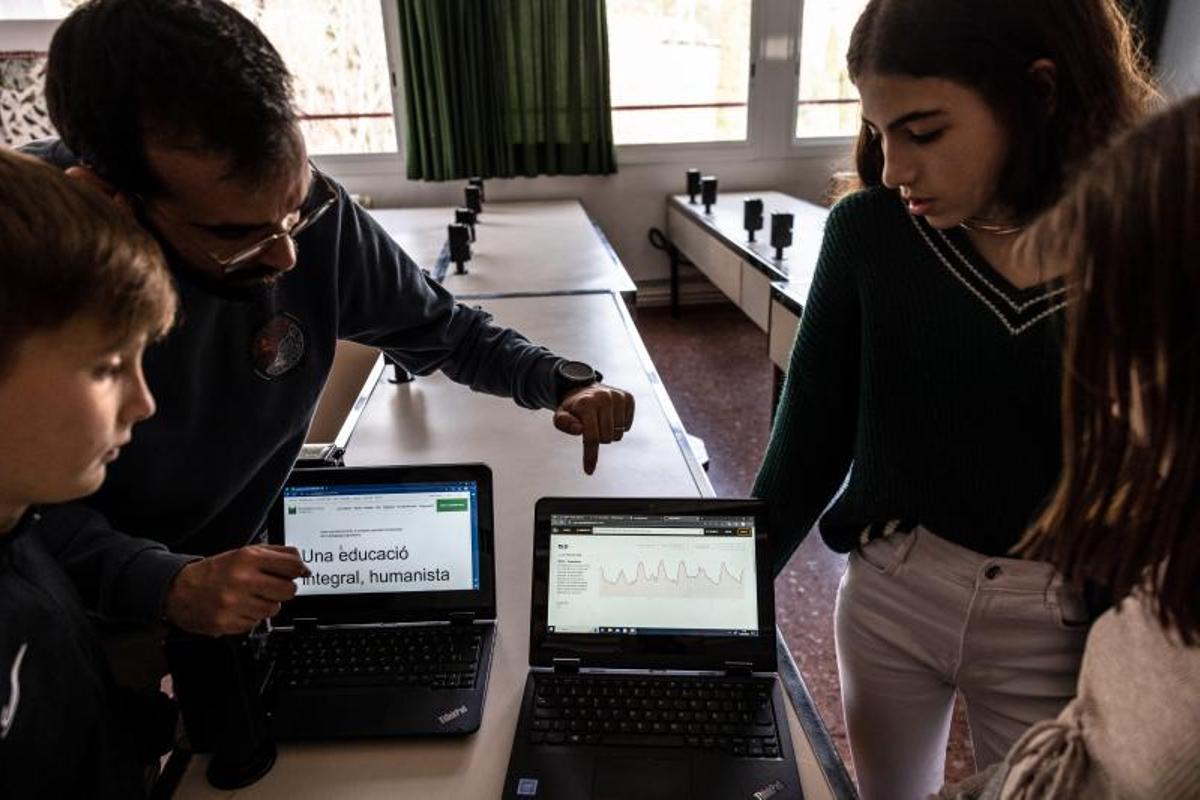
(389, 543)
(384, 537)
(652, 583)
(645, 574)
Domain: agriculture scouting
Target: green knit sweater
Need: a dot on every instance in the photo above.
(922, 371)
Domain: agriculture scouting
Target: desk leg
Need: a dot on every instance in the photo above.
(399, 373)
(674, 283)
(630, 300)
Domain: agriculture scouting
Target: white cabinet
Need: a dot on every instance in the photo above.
(784, 323)
(718, 263)
(756, 296)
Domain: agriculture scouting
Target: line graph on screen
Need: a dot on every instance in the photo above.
(683, 582)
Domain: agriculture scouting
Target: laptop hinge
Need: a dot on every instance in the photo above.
(566, 666)
(462, 617)
(739, 668)
(303, 624)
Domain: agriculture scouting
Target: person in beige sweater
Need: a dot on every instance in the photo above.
(1126, 512)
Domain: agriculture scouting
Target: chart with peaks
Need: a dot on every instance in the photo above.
(651, 581)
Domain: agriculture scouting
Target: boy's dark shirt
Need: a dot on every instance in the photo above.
(63, 732)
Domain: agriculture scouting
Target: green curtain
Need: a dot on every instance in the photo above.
(1149, 17)
(498, 88)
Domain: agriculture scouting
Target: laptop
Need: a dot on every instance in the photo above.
(392, 634)
(652, 654)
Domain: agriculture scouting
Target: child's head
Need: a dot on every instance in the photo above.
(1129, 498)
(1021, 91)
(82, 288)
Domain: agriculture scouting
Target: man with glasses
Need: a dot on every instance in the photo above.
(181, 111)
(240, 266)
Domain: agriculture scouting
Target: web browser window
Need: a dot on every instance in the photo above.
(642, 574)
(376, 538)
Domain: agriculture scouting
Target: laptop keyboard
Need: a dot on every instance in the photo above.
(735, 715)
(440, 657)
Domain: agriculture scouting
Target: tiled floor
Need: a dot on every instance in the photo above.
(714, 364)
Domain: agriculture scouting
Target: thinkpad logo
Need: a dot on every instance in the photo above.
(767, 792)
(452, 715)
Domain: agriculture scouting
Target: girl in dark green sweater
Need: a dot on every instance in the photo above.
(928, 366)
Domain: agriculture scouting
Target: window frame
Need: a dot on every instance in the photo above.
(774, 53)
(711, 151)
(806, 145)
(363, 164)
(358, 165)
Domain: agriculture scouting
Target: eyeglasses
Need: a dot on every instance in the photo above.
(292, 226)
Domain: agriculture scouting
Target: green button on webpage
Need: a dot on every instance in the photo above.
(452, 504)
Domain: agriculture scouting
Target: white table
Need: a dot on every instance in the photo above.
(536, 247)
(717, 245)
(435, 421)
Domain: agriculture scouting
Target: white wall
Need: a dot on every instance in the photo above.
(25, 35)
(1179, 53)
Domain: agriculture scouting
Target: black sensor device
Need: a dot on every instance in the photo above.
(708, 192)
(478, 182)
(217, 685)
(693, 185)
(474, 198)
(752, 215)
(460, 246)
(781, 233)
(465, 216)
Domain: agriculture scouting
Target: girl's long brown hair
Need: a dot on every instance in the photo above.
(1101, 86)
(1127, 508)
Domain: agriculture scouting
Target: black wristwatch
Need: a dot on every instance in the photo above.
(569, 375)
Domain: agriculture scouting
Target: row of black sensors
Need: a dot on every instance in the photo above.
(752, 211)
(461, 232)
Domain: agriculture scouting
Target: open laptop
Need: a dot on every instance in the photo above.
(392, 634)
(652, 647)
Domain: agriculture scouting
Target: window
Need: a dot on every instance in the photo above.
(679, 70)
(335, 51)
(827, 103)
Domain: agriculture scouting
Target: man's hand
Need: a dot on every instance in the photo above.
(600, 413)
(234, 591)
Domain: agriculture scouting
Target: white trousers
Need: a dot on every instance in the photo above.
(918, 617)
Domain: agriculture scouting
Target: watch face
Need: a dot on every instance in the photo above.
(577, 371)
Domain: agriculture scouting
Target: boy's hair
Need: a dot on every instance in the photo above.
(67, 251)
(1127, 507)
(196, 73)
(1101, 85)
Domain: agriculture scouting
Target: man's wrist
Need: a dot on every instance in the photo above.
(572, 375)
(171, 585)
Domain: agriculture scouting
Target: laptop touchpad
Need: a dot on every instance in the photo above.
(660, 778)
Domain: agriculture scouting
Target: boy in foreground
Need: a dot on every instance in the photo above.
(82, 289)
